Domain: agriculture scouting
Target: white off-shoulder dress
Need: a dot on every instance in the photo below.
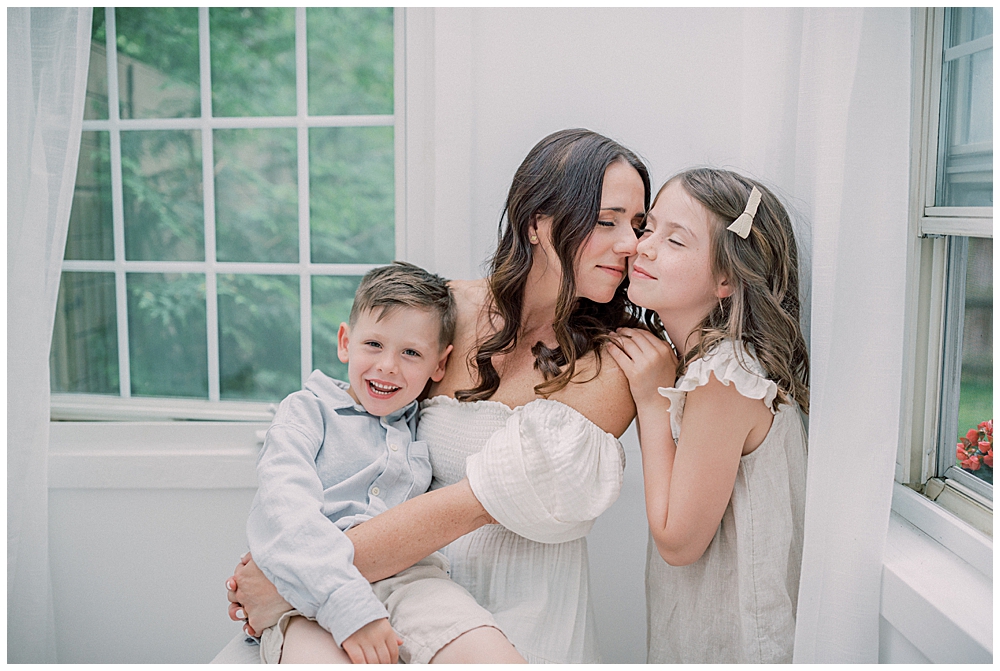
(737, 603)
(545, 472)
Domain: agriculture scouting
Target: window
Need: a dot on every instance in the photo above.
(951, 267)
(236, 178)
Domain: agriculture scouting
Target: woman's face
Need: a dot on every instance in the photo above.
(602, 262)
(672, 270)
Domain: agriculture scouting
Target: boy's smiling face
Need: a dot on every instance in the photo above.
(389, 360)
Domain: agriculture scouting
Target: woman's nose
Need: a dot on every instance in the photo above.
(626, 242)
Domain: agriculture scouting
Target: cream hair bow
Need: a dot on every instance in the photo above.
(741, 226)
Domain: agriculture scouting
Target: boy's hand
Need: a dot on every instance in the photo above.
(374, 643)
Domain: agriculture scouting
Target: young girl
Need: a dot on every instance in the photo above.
(723, 446)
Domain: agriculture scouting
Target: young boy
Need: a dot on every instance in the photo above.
(340, 453)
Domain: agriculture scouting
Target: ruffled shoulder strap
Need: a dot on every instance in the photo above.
(732, 364)
(548, 473)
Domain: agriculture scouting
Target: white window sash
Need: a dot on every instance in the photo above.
(123, 406)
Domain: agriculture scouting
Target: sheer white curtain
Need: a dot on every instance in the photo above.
(48, 50)
(854, 110)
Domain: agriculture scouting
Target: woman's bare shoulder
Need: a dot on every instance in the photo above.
(602, 396)
(471, 297)
(469, 293)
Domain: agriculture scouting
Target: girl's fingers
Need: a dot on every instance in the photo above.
(621, 358)
(641, 337)
(651, 347)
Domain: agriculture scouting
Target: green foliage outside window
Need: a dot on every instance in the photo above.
(255, 183)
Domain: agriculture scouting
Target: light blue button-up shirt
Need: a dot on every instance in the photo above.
(328, 465)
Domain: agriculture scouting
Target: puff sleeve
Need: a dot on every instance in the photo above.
(732, 365)
(548, 473)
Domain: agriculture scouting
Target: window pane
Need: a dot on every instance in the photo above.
(84, 355)
(158, 62)
(332, 298)
(91, 236)
(162, 185)
(350, 60)
(96, 102)
(259, 336)
(253, 61)
(256, 195)
(352, 195)
(976, 400)
(168, 345)
(965, 156)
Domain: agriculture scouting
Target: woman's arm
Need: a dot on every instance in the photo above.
(383, 546)
(408, 532)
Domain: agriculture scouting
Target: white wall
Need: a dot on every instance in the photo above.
(138, 574)
(143, 536)
(679, 87)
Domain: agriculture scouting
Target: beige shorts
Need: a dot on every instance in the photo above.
(427, 609)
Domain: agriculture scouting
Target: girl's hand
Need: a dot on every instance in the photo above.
(647, 361)
(254, 598)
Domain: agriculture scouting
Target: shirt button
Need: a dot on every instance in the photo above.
(393, 447)
(375, 491)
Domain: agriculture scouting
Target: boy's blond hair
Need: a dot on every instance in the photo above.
(405, 285)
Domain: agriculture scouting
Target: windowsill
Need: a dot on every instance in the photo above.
(154, 455)
(965, 541)
(94, 407)
(937, 581)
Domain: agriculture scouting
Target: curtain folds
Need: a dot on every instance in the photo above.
(852, 167)
(48, 52)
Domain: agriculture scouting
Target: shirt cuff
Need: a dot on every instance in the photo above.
(348, 609)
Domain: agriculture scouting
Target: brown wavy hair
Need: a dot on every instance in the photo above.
(562, 177)
(763, 271)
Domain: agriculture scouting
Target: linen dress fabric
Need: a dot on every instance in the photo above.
(327, 465)
(736, 604)
(547, 471)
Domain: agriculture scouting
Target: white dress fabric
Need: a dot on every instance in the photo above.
(736, 604)
(547, 470)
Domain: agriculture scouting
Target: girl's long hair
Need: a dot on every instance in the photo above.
(763, 310)
(562, 177)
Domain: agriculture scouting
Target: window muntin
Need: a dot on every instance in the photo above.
(212, 255)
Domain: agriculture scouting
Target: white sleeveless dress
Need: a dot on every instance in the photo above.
(546, 471)
(736, 604)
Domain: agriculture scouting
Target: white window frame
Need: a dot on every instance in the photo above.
(933, 321)
(124, 406)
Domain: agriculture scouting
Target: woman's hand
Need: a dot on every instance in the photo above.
(647, 361)
(254, 598)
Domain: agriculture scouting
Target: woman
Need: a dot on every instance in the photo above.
(526, 383)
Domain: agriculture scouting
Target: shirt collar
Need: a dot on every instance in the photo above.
(334, 393)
